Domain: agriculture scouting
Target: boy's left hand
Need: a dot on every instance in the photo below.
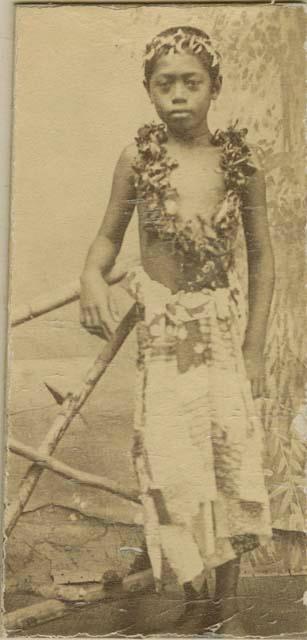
(254, 366)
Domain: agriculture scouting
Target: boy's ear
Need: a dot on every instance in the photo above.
(147, 89)
(216, 88)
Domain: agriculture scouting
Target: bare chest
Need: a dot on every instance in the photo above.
(199, 183)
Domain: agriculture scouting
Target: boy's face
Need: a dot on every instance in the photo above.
(181, 90)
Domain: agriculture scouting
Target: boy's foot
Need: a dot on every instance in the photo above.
(224, 619)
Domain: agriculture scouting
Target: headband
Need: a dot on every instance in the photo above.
(181, 41)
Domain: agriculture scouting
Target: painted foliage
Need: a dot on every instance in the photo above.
(265, 60)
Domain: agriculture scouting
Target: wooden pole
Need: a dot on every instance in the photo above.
(35, 614)
(53, 609)
(62, 469)
(58, 298)
(46, 302)
(59, 398)
(69, 409)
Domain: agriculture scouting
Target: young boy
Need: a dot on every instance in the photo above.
(198, 442)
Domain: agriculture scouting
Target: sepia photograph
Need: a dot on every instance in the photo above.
(156, 373)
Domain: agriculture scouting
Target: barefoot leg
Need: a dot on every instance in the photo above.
(192, 600)
(225, 615)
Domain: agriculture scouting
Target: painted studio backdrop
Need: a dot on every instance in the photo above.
(79, 100)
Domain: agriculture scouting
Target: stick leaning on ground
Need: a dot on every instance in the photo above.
(66, 471)
(69, 409)
(51, 609)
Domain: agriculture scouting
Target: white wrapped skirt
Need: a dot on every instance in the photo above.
(198, 441)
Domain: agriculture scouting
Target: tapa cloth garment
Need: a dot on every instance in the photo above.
(198, 441)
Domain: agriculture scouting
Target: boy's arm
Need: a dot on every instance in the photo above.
(260, 278)
(106, 246)
(96, 315)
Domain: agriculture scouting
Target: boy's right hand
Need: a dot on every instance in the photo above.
(95, 311)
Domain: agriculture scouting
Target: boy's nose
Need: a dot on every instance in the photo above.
(179, 100)
(179, 94)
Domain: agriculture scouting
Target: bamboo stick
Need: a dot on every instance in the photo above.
(59, 398)
(62, 469)
(58, 298)
(46, 302)
(32, 475)
(35, 614)
(69, 409)
(53, 609)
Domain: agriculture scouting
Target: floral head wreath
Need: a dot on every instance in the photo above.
(181, 41)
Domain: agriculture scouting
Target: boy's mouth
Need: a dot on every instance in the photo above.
(180, 113)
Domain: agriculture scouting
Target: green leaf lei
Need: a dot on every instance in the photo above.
(206, 249)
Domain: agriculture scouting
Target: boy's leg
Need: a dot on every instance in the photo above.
(192, 600)
(190, 593)
(225, 605)
(227, 579)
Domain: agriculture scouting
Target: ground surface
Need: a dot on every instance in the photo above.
(73, 533)
(270, 607)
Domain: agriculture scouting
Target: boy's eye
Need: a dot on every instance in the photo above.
(193, 84)
(164, 84)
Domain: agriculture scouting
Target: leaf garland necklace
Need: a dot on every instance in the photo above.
(206, 250)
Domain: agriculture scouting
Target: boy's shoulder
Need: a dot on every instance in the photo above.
(129, 153)
(126, 161)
